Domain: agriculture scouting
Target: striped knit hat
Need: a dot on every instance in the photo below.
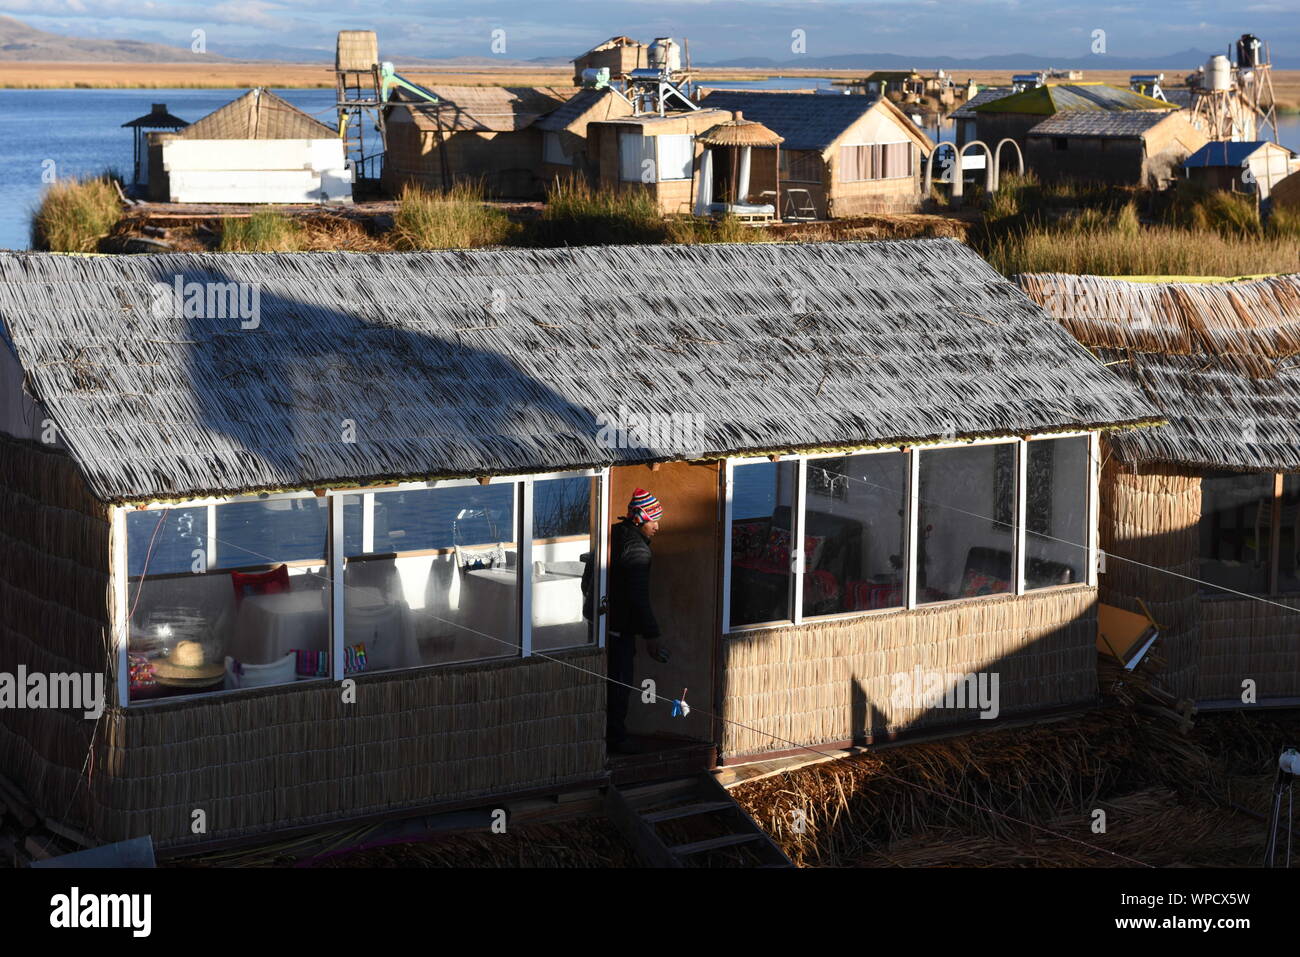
(644, 507)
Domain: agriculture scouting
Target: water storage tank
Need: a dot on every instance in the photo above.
(665, 55)
(1250, 51)
(1218, 73)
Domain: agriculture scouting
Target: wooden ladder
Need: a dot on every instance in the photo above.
(690, 822)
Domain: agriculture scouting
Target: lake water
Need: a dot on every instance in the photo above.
(80, 132)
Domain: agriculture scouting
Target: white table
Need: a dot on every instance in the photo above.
(268, 627)
(488, 601)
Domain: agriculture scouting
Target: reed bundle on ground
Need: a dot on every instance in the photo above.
(1017, 797)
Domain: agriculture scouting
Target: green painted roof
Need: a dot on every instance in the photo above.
(1067, 97)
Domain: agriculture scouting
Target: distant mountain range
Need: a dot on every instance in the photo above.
(18, 41)
(1186, 60)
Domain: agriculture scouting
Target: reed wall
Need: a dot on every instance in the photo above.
(54, 548)
(833, 681)
(1151, 517)
(293, 756)
(1243, 639)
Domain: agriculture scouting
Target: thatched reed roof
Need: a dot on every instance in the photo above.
(1064, 97)
(257, 115)
(1129, 124)
(477, 362)
(810, 121)
(585, 106)
(484, 109)
(1286, 193)
(1221, 360)
(739, 132)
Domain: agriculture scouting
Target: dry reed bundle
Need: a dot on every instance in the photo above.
(981, 786)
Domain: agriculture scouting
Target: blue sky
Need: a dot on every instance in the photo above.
(717, 29)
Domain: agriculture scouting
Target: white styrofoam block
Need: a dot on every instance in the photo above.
(266, 186)
(180, 155)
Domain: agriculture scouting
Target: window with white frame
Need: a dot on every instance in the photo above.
(241, 593)
(891, 529)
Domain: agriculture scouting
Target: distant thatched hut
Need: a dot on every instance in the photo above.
(1211, 500)
(258, 148)
(1145, 148)
(1012, 116)
(481, 135)
(843, 155)
(233, 483)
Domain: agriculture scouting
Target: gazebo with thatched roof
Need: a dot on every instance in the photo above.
(726, 182)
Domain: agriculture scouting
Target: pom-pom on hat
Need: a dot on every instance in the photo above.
(644, 507)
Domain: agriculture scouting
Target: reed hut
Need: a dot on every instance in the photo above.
(1200, 515)
(841, 156)
(1145, 148)
(328, 545)
(660, 155)
(565, 152)
(486, 136)
(1013, 116)
(258, 148)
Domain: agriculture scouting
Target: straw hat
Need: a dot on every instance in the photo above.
(186, 665)
(740, 132)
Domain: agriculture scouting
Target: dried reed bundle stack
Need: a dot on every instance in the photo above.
(893, 806)
(356, 50)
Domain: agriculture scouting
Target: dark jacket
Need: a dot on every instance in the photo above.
(629, 582)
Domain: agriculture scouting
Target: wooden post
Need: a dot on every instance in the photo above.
(1275, 537)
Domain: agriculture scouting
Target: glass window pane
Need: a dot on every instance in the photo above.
(270, 531)
(1236, 531)
(247, 621)
(967, 506)
(854, 533)
(440, 584)
(565, 534)
(762, 498)
(166, 540)
(1288, 572)
(1056, 512)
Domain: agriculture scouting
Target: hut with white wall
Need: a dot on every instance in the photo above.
(256, 149)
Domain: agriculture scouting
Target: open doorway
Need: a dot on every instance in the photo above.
(684, 594)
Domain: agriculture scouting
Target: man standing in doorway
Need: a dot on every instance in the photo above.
(630, 614)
